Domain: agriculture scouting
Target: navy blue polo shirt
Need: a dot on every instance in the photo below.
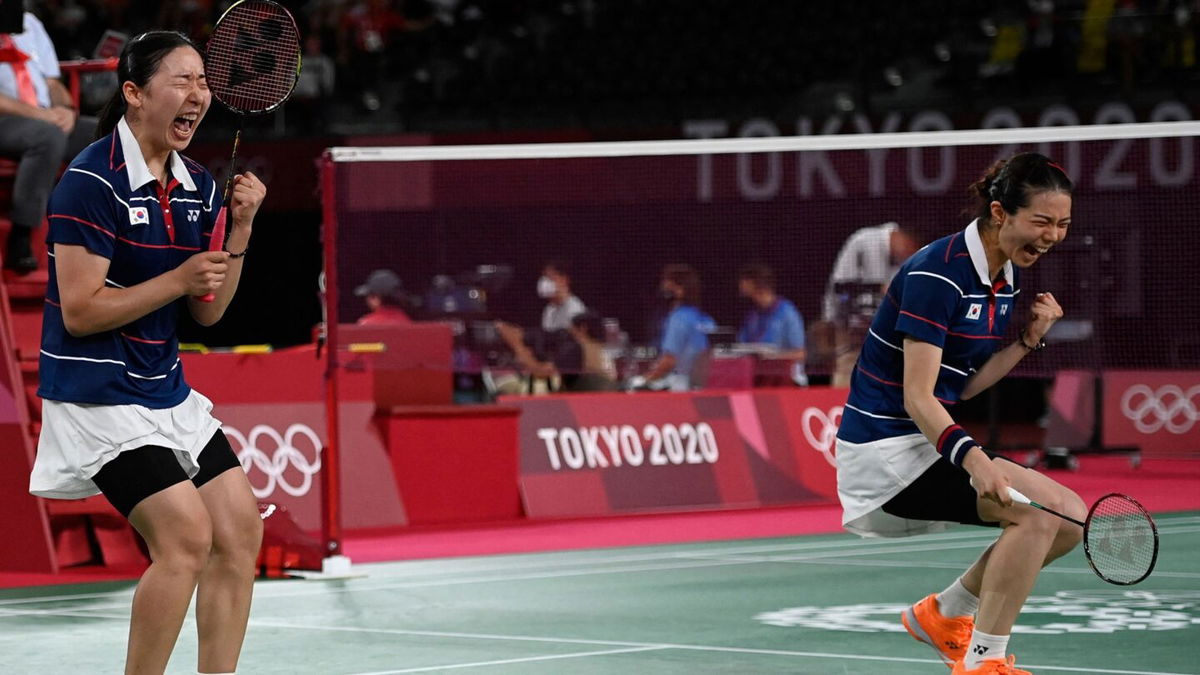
(944, 296)
(109, 203)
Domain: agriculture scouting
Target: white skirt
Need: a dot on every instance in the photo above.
(870, 474)
(78, 439)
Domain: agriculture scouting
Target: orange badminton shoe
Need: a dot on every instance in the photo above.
(991, 667)
(948, 635)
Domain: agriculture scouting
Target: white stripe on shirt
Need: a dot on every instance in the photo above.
(938, 276)
(882, 417)
(110, 187)
(112, 361)
(876, 336)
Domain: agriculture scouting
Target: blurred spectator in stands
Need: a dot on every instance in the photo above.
(773, 322)
(861, 272)
(314, 89)
(193, 18)
(385, 298)
(529, 347)
(39, 127)
(684, 350)
(579, 363)
(554, 286)
(367, 38)
(75, 26)
(1126, 30)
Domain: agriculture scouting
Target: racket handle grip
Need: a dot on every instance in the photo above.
(1014, 493)
(1017, 496)
(216, 242)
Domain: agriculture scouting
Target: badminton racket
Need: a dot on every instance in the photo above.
(252, 64)
(1120, 540)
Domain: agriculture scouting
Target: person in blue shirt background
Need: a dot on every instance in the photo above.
(773, 321)
(129, 225)
(684, 348)
(904, 467)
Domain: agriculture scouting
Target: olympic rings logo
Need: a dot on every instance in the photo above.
(285, 455)
(826, 428)
(1168, 407)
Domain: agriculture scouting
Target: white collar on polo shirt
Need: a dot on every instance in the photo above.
(135, 164)
(979, 255)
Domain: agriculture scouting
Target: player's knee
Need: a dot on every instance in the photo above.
(1071, 534)
(237, 542)
(186, 550)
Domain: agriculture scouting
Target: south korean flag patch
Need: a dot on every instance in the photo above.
(139, 215)
(974, 311)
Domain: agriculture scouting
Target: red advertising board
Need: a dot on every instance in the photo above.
(272, 410)
(600, 454)
(1155, 410)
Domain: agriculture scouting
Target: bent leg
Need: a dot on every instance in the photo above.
(1031, 539)
(178, 533)
(38, 148)
(227, 583)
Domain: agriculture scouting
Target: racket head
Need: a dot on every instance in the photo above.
(252, 59)
(1120, 540)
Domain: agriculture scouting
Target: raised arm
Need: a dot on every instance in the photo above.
(1044, 313)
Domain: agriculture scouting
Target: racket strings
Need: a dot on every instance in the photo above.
(253, 56)
(1120, 540)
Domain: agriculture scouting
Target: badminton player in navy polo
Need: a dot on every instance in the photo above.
(905, 467)
(128, 234)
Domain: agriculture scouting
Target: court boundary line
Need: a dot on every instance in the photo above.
(709, 559)
(678, 646)
(665, 555)
(502, 662)
(683, 560)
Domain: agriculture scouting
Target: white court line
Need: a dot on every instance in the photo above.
(890, 544)
(671, 645)
(533, 564)
(527, 659)
(932, 544)
(983, 534)
(909, 564)
(636, 646)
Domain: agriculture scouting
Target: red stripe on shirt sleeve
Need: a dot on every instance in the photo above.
(80, 220)
(921, 318)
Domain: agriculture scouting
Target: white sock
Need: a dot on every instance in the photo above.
(984, 647)
(956, 600)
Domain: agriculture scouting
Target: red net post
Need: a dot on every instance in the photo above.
(331, 517)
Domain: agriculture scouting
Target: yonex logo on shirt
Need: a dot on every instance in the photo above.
(138, 215)
(193, 215)
(974, 310)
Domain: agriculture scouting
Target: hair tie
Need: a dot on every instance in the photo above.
(1060, 169)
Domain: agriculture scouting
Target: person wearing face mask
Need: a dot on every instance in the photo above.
(773, 322)
(39, 127)
(905, 468)
(129, 224)
(554, 286)
(533, 348)
(683, 348)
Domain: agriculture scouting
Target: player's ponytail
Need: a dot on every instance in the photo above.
(138, 63)
(1013, 182)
